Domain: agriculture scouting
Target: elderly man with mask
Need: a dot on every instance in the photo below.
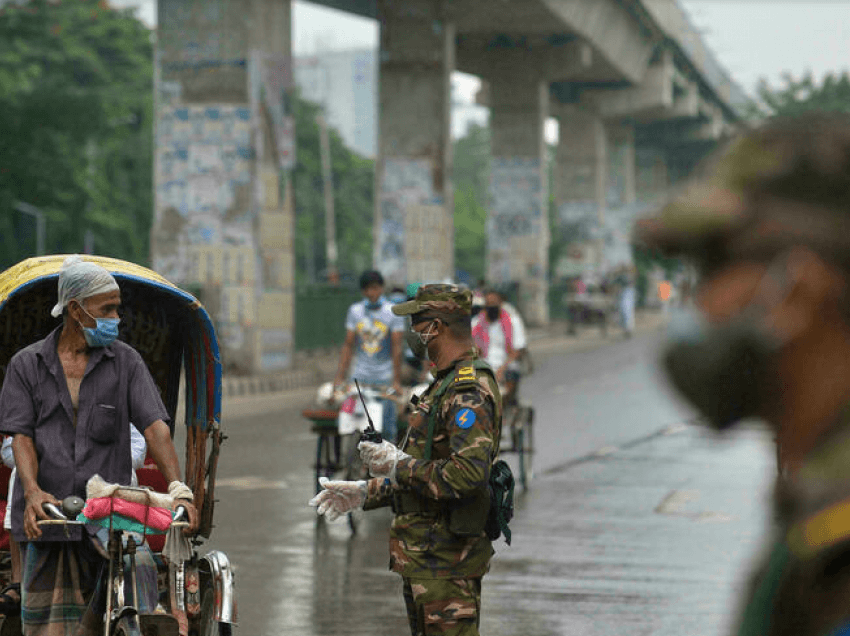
(768, 228)
(68, 401)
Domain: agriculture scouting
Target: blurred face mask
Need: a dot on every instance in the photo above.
(418, 341)
(728, 370)
(103, 334)
(493, 313)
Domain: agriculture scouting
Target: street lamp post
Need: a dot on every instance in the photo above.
(40, 224)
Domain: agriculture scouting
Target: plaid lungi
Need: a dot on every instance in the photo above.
(59, 578)
(62, 592)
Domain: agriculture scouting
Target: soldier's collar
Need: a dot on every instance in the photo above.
(466, 357)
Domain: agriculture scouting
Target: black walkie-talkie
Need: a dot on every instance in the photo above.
(370, 434)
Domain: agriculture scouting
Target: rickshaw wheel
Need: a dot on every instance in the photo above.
(208, 625)
(354, 471)
(525, 444)
(327, 457)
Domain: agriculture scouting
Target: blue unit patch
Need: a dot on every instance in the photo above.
(465, 418)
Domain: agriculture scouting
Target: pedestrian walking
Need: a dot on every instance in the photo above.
(374, 339)
(437, 480)
(767, 225)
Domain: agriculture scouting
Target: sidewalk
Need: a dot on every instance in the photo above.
(312, 369)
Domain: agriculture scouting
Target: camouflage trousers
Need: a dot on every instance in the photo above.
(448, 607)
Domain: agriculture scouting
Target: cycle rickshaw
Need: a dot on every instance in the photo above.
(174, 334)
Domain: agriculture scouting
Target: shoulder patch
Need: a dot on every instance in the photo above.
(821, 530)
(465, 377)
(465, 418)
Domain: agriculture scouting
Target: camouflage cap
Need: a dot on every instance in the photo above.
(783, 184)
(441, 299)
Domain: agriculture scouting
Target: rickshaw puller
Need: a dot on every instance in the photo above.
(68, 400)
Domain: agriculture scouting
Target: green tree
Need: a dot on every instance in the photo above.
(795, 97)
(75, 127)
(354, 183)
(471, 177)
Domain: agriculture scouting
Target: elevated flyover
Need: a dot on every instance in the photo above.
(638, 95)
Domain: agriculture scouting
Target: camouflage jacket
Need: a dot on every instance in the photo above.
(802, 587)
(465, 444)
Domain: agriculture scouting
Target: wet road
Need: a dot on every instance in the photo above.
(633, 522)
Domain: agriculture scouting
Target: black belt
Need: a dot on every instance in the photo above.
(407, 502)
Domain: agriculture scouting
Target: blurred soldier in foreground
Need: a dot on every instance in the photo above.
(768, 228)
(436, 482)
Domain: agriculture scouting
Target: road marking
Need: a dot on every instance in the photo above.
(673, 504)
(560, 390)
(676, 500)
(605, 450)
(675, 428)
(252, 483)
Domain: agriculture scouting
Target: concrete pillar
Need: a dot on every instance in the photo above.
(621, 195)
(652, 179)
(622, 184)
(223, 221)
(580, 183)
(414, 228)
(517, 223)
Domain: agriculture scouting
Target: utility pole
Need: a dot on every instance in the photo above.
(330, 217)
(88, 242)
(40, 224)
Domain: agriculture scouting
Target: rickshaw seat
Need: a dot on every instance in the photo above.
(149, 475)
(323, 420)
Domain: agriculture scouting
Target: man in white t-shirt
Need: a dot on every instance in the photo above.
(499, 335)
(374, 338)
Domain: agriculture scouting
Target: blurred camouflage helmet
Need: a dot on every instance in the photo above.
(444, 300)
(784, 183)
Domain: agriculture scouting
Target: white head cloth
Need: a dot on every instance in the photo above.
(79, 279)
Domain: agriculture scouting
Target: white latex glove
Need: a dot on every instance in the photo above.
(339, 497)
(381, 459)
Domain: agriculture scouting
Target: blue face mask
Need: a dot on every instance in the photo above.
(104, 334)
(373, 306)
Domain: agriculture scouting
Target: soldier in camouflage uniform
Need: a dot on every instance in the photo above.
(768, 228)
(437, 539)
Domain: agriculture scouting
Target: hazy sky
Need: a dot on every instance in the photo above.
(751, 38)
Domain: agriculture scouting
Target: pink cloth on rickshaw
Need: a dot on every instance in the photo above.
(157, 518)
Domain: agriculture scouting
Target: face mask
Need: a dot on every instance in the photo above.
(493, 313)
(727, 371)
(373, 306)
(104, 334)
(418, 343)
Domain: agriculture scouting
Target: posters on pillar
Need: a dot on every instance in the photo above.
(406, 184)
(515, 223)
(204, 169)
(579, 223)
(271, 85)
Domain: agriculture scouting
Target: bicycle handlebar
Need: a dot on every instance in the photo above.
(72, 506)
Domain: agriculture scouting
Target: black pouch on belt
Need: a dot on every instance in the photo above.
(468, 517)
